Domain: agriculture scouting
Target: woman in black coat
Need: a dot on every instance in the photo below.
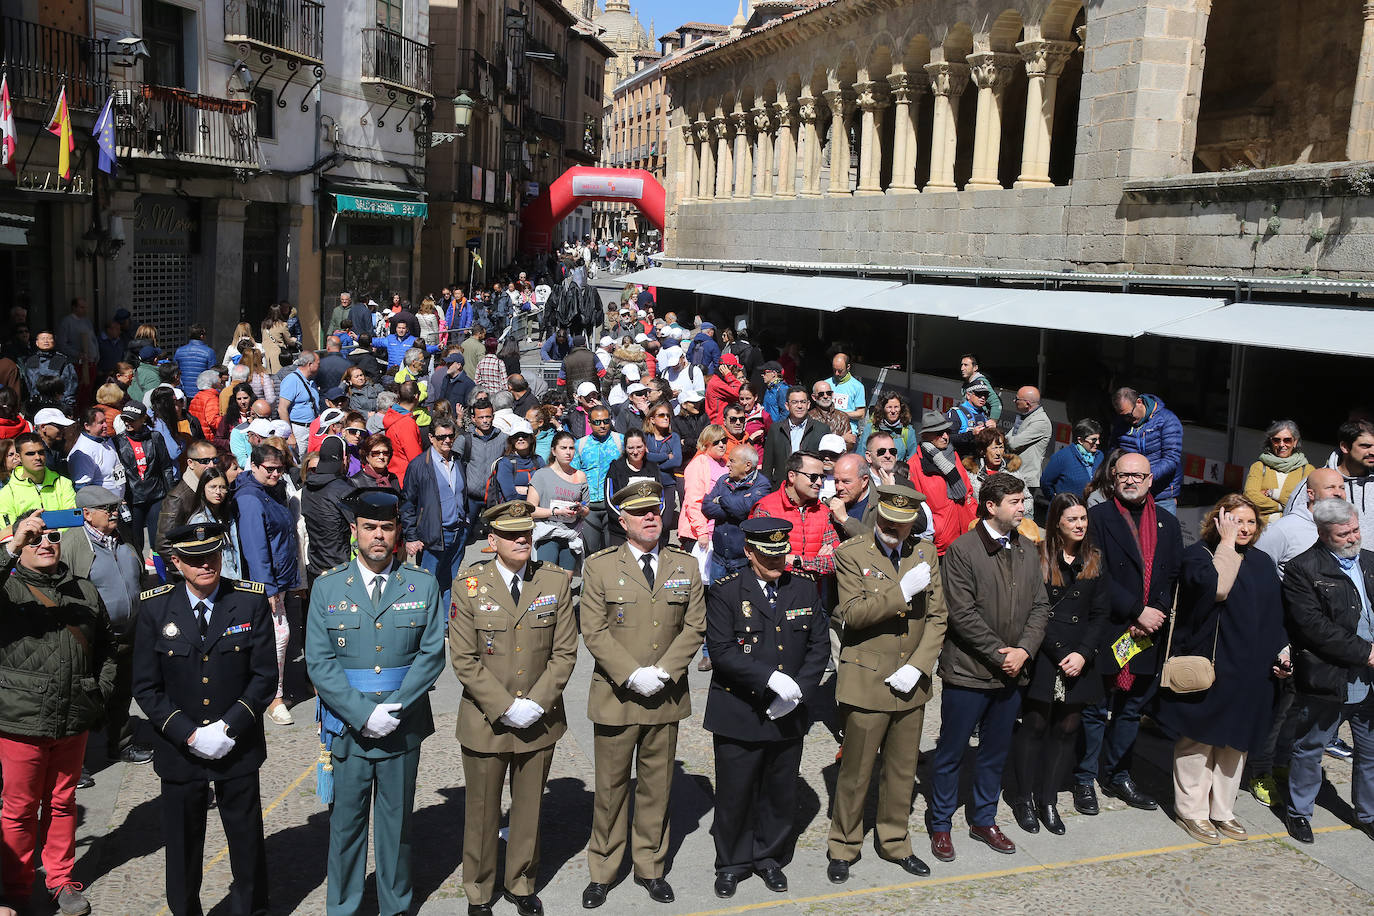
(1063, 679)
(633, 464)
(1230, 609)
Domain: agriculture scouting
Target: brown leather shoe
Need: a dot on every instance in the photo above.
(941, 846)
(994, 837)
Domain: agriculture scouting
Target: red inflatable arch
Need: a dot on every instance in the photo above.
(579, 184)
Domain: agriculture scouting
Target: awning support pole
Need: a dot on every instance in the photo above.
(910, 348)
(1233, 400)
(1040, 360)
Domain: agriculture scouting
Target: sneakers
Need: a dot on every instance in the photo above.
(1265, 789)
(70, 900)
(1340, 750)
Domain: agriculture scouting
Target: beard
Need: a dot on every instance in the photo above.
(890, 541)
(1347, 552)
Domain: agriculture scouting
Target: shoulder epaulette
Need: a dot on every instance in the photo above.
(329, 572)
(477, 565)
(534, 566)
(804, 574)
(413, 567)
(853, 543)
(248, 585)
(154, 592)
(603, 551)
(673, 549)
(733, 575)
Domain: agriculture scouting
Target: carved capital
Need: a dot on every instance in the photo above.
(808, 109)
(992, 69)
(763, 120)
(905, 87)
(871, 96)
(1044, 57)
(841, 104)
(947, 78)
(782, 115)
(703, 131)
(720, 127)
(739, 121)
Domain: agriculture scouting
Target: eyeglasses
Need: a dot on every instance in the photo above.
(271, 468)
(354, 431)
(884, 451)
(1282, 440)
(821, 394)
(814, 478)
(605, 422)
(204, 461)
(1132, 476)
(380, 453)
(52, 537)
(443, 437)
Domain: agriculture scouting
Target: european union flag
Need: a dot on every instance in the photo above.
(104, 137)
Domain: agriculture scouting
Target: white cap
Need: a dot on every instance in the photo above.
(261, 427)
(639, 313)
(641, 338)
(331, 416)
(585, 389)
(519, 427)
(51, 415)
(281, 428)
(692, 394)
(670, 357)
(636, 388)
(607, 341)
(832, 443)
(630, 370)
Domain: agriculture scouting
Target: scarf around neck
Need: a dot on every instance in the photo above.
(1293, 462)
(944, 464)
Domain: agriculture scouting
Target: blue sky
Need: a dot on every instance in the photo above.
(667, 14)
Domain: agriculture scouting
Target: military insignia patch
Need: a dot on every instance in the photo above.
(778, 537)
(471, 583)
(171, 631)
(745, 609)
(410, 587)
(342, 642)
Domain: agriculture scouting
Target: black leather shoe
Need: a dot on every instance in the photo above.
(1299, 829)
(86, 780)
(726, 884)
(479, 909)
(773, 879)
(912, 866)
(1049, 816)
(136, 754)
(1084, 799)
(1130, 793)
(529, 905)
(837, 871)
(1025, 816)
(593, 895)
(660, 891)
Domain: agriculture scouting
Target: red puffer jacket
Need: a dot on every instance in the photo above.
(951, 519)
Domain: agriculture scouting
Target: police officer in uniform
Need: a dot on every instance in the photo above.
(374, 646)
(768, 638)
(513, 643)
(643, 615)
(893, 610)
(204, 670)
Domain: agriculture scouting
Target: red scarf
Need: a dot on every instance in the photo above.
(1146, 538)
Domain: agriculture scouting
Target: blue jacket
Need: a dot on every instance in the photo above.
(421, 519)
(667, 455)
(1065, 473)
(361, 316)
(193, 358)
(1159, 438)
(728, 504)
(775, 403)
(704, 352)
(267, 536)
(396, 348)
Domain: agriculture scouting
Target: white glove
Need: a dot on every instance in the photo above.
(780, 707)
(914, 580)
(522, 713)
(904, 679)
(784, 687)
(211, 741)
(647, 681)
(381, 723)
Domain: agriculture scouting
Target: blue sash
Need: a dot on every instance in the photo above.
(365, 680)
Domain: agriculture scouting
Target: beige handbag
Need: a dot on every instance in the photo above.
(1188, 673)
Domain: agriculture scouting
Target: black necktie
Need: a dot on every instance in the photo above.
(378, 583)
(647, 561)
(203, 614)
(515, 590)
(771, 591)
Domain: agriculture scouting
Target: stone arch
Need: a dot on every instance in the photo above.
(1004, 32)
(1059, 19)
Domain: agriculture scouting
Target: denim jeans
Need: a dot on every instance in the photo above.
(556, 553)
(1108, 746)
(443, 561)
(1318, 720)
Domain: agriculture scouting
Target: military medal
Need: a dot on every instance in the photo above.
(746, 609)
(490, 650)
(410, 587)
(471, 583)
(170, 631)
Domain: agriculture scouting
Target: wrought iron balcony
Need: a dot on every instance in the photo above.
(174, 125)
(277, 28)
(39, 60)
(542, 54)
(543, 124)
(396, 64)
(476, 76)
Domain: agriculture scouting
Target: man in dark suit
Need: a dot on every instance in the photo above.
(1142, 548)
(766, 632)
(794, 433)
(205, 669)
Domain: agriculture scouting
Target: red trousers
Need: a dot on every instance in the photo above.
(39, 772)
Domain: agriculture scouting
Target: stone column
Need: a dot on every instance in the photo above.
(809, 112)
(720, 126)
(707, 188)
(1044, 62)
(947, 82)
(841, 106)
(1359, 142)
(991, 72)
(739, 124)
(786, 154)
(872, 98)
(903, 133)
(689, 164)
(763, 156)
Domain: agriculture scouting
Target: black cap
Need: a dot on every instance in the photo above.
(375, 503)
(197, 540)
(767, 535)
(331, 456)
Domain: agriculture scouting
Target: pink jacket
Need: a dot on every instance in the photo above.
(701, 475)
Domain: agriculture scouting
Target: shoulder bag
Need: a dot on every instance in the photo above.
(1185, 674)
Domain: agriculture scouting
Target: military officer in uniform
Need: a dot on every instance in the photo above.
(768, 637)
(893, 610)
(643, 615)
(374, 646)
(513, 642)
(205, 668)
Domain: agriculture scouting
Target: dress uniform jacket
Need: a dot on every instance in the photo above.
(501, 653)
(182, 685)
(627, 625)
(749, 641)
(883, 632)
(344, 630)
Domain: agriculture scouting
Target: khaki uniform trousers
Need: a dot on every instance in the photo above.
(653, 748)
(484, 775)
(898, 736)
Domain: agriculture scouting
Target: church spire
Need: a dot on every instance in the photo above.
(739, 20)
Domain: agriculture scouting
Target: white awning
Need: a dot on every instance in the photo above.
(1315, 329)
(672, 277)
(936, 299)
(827, 294)
(1116, 314)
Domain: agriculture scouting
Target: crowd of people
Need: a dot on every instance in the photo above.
(178, 520)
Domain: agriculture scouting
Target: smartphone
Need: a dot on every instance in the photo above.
(63, 518)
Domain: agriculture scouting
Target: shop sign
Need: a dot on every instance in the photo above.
(376, 206)
(166, 225)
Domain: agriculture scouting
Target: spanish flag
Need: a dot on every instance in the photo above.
(61, 125)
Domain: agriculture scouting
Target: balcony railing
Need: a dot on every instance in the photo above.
(391, 59)
(476, 75)
(161, 122)
(291, 27)
(553, 62)
(543, 124)
(38, 61)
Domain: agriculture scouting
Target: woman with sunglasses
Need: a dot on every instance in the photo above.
(693, 528)
(214, 502)
(633, 464)
(558, 493)
(1279, 470)
(355, 442)
(891, 414)
(664, 449)
(1070, 469)
(376, 456)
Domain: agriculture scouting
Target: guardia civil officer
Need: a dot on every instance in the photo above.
(205, 668)
(893, 610)
(643, 614)
(769, 641)
(513, 642)
(374, 646)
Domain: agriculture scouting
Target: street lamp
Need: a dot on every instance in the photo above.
(462, 119)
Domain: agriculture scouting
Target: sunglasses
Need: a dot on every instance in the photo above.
(271, 468)
(1282, 440)
(814, 478)
(205, 461)
(52, 537)
(379, 454)
(601, 422)
(884, 451)
(444, 437)
(354, 431)
(821, 394)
